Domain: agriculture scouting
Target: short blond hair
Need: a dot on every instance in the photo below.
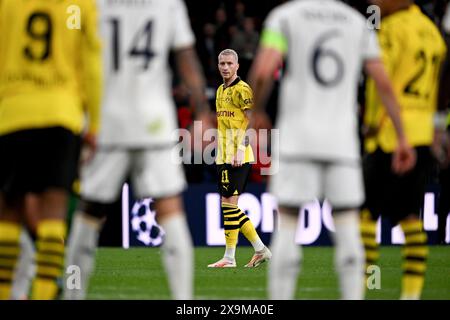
(229, 52)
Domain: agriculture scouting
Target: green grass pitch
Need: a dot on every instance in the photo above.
(138, 274)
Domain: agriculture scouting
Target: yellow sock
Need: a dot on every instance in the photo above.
(9, 254)
(231, 215)
(368, 228)
(415, 252)
(49, 259)
(247, 228)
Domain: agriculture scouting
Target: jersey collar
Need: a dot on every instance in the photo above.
(235, 82)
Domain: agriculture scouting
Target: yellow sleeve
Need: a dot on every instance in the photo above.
(91, 70)
(246, 103)
(246, 99)
(391, 43)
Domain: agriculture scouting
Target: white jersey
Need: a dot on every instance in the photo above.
(138, 109)
(327, 43)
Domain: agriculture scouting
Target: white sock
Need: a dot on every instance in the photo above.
(25, 268)
(349, 255)
(258, 245)
(82, 244)
(230, 253)
(286, 259)
(178, 256)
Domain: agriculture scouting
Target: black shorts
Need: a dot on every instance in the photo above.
(37, 159)
(391, 195)
(232, 180)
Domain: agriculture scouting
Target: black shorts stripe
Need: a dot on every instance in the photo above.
(5, 280)
(243, 222)
(370, 248)
(370, 261)
(231, 227)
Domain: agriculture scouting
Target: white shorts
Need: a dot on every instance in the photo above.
(297, 183)
(152, 173)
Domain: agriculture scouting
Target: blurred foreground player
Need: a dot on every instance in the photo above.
(136, 137)
(413, 51)
(326, 44)
(50, 73)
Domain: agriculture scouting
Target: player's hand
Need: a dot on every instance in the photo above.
(89, 147)
(260, 120)
(404, 158)
(238, 158)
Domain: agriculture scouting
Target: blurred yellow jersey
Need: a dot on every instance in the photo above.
(231, 102)
(50, 65)
(413, 51)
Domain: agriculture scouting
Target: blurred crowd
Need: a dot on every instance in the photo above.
(237, 24)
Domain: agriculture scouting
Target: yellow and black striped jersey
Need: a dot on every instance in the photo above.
(413, 52)
(231, 102)
(50, 64)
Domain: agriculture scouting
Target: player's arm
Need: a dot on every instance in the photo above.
(441, 143)
(404, 158)
(269, 57)
(190, 71)
(91, 71)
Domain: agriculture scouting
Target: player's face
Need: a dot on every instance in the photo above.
(228, 66)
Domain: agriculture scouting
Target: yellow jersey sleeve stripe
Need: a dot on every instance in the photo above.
(274, 39)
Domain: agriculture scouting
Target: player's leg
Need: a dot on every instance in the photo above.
(82, 244)
(285, 264)
(410, 202)
(50, 243)
(376, 173)
(10, 228)
(25, 268)
(56, 170)
(156, 175)
(101, 182)
(345, 191)
(10, 204)
(233, 183)
(177, 247)
(296, 183)
(240, 177)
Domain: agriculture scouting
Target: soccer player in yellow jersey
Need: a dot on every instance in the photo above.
(234, 100)
(50, 75)
(413, 51)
